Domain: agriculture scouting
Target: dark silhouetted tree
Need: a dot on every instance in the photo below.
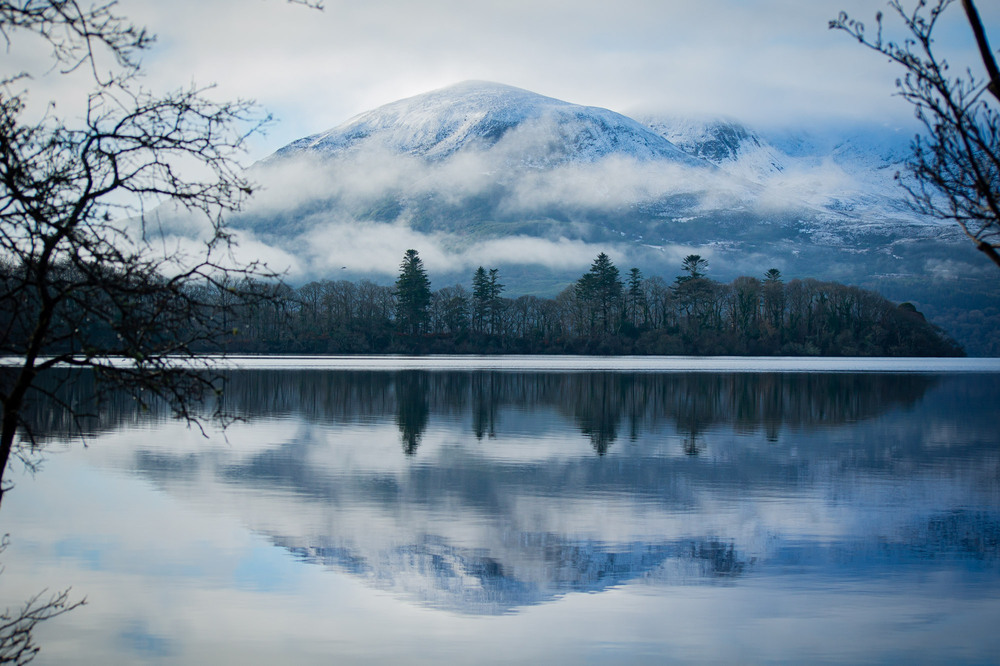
(480, 299)
(600, 290)
(694, 294)
(487, 303)
(451, 308)
(774, 301)
(86, 279)
(956, 165)
(413, 409)
(636, 306)
(694, 266)
(413, 295)
(494, 302)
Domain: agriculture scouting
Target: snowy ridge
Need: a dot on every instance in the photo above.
(726, 143)
(838, 171)
(479, 116)
(508, 129)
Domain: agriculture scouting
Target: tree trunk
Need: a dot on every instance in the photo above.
(11, 418)
(984, 47)
(8, 430)
(989, 251)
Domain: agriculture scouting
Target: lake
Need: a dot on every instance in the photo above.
(509, 510)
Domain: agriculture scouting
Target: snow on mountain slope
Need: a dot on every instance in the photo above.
(477, 115)
(484, 173)
(726, 143)
(545, 153)
(483, 160)
(836, 171)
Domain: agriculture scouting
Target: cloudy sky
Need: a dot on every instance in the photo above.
(768, 63)
(762, 61)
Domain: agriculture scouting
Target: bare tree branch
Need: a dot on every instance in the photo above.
(956, 163)
(17, 644)
(83, 281)
(17, 641)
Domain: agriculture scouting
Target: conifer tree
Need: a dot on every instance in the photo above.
(480, 299)
(413, 295)
(636, 301)
(487, 306)
(774, 299)
(495, 303)
(694, 266)
(600, 290)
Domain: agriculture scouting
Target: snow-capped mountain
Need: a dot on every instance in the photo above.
(488, 174)
(480, 116)
(489, 160)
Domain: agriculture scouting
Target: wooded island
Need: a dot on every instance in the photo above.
(600, 313)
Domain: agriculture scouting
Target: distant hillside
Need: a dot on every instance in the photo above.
(487, 174)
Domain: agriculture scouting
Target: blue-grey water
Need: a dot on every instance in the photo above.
(499, 515)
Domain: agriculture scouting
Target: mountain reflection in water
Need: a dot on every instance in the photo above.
(486, 492)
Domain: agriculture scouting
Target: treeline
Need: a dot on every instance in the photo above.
(600, 313)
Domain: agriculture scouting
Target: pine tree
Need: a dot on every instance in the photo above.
(600, 290)
(693, 292)
(480, 300)
(495, 303)
(636, 301)
(694, 266)
(487, 305)
(774, 300)
(413, 295)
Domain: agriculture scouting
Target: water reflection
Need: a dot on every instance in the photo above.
(601, 404)
(484, 493)
(413, 408)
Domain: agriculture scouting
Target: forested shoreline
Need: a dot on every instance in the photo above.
(601, 313)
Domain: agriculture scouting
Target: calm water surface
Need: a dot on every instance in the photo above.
(493, 516)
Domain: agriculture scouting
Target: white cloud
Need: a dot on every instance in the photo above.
(328, 242)
(376, 248)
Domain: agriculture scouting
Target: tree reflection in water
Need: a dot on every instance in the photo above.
(559, 503)
(413, 409)
(598, 402)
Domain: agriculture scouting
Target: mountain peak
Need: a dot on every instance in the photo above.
(483, 116)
